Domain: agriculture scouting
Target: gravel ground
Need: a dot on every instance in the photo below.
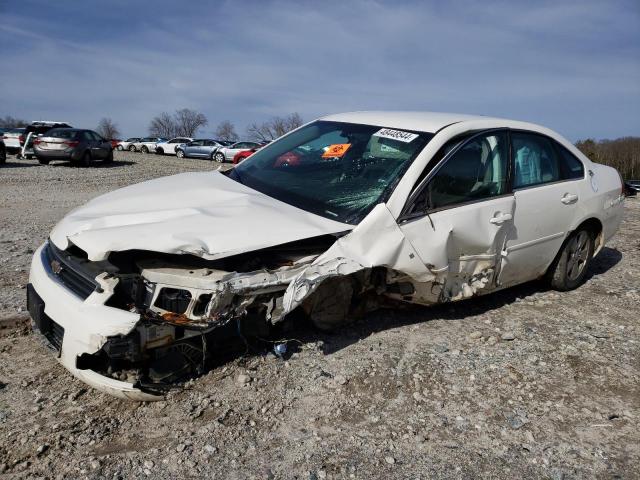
(525, 383)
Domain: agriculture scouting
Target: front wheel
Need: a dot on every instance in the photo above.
(219, 157)
(119, 147)
(144, 149)
(569, 269)
(132, 148)
(159, 151)
(179, 154)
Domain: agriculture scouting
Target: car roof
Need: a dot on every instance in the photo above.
(422, 121)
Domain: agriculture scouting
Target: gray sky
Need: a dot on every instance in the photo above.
(571, 66)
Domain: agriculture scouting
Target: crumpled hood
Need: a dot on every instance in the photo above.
(201, 213)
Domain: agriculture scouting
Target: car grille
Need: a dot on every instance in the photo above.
(52, 331)
(68, 271)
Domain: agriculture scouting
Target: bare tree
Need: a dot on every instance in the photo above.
(107, 128)
(183, 123)
(189, 121)
(163, 125)
(226, 131)
(274, 128)
(9, 121)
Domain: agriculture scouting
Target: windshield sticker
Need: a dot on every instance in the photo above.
(336, 150)
(399, 135)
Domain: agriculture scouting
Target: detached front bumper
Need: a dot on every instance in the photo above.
(73, 326)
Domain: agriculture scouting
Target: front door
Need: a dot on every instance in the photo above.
(459, 222)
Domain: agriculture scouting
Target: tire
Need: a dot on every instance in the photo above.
(144, 149)
(132, 148)
(119, 148)
(3, 156)
(43, 161)
(219, 157)
(569, 269)
(29, 157)
(86, 160)
(179, 154)
(109, 158)
(159, 151)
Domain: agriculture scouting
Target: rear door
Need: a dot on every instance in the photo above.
(459, 220)
(99, 146)
(547, 191)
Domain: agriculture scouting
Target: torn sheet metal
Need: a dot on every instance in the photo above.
(376, 242)
(199, 213)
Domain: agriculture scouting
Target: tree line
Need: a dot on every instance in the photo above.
(622, 153)
(186, 123)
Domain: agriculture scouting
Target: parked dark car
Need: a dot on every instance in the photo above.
(631, 187)
(81, 147)
(3, 152)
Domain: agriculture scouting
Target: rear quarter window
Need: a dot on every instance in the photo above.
(570, 165)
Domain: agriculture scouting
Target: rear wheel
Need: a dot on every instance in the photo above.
(159, 151)
(3, 156)
(109, 158)
(119, 147)
(179, 154)
(132, 148)
(144, 149)
(86, 160)
(569, 269)
(219, 157)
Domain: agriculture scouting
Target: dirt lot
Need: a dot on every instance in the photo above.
(524, 383)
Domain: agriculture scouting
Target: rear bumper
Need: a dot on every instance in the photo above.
(72, 326)
(55, 154)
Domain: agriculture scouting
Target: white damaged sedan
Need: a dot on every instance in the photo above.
(137, 289)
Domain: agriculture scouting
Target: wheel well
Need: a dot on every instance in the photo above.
(594, 226)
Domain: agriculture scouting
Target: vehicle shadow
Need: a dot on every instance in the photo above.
(97, 164)
(18, 164)
(402, 315)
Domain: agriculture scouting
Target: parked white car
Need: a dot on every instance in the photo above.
(128, 144)
(226, 154)
(146, 144)
(134, 290)
(168, 147)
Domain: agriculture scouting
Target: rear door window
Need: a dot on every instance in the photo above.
(535, 160)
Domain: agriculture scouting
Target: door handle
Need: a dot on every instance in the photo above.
(569, 198)
(501, 218)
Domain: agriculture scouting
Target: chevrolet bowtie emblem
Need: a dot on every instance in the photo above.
(56, 267)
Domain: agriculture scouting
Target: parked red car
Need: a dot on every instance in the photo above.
(240, 156)
(115, 142)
